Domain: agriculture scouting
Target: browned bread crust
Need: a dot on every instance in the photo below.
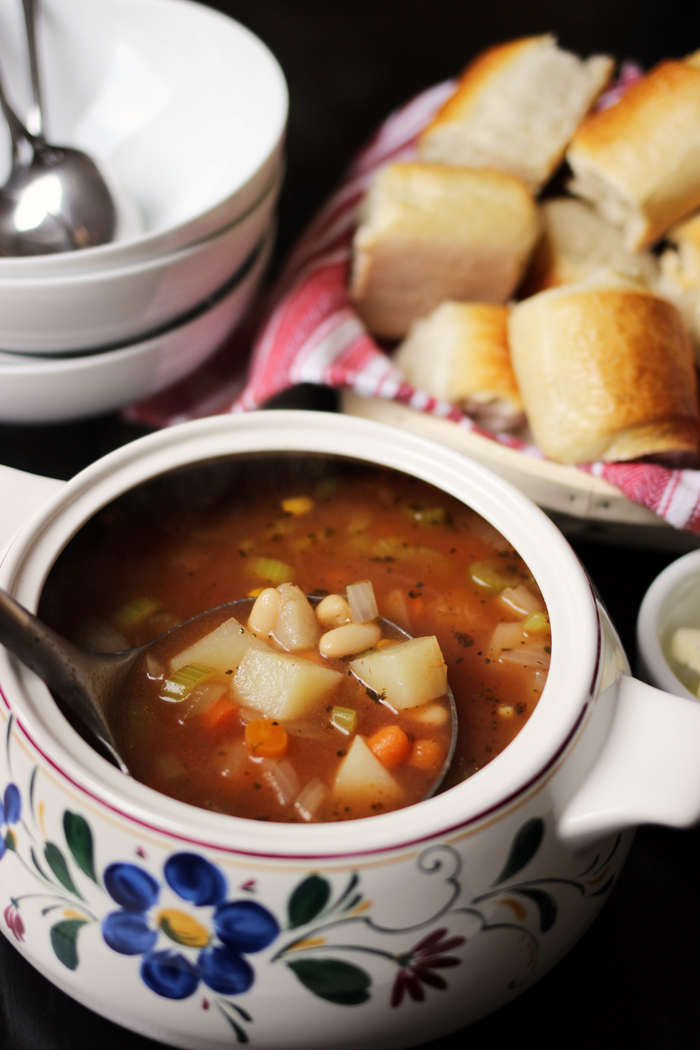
(506, 114)
(606, 373)
(639, 160)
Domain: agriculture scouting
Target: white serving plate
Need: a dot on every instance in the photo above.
(184, 105)
(41, 390)
(581, 504)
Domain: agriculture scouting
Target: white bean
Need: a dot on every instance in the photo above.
(263, 615)
(333, 611)
(348, 639)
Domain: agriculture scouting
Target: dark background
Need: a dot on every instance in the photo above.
(634, 978)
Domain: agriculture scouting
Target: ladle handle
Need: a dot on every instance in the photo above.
(35, 115)
(67, 670)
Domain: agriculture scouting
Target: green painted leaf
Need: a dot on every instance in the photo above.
(37, 865)
(32, 789)
(546, 906)
(308, 899)
(64, 936)
(524, 847)
(79, 839)
(334, 980)
(57, 862)
(224, 1007)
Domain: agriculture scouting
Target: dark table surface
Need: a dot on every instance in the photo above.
(633, 978)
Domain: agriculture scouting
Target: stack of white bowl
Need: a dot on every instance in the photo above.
(185, 111)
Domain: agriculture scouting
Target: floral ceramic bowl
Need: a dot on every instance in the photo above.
(203, 930)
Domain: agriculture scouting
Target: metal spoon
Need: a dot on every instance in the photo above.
(55, 199)
(90, 683)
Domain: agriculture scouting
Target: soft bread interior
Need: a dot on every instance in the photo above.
(433, 233)
(679, 279)
(516, 108)
(460, 354)
(575, 242)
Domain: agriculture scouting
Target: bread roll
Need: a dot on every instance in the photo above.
(606, 372)
(576, 241)
(433, 233)
(680, 276)
(638, 162)
(460, 354)
(516, 107)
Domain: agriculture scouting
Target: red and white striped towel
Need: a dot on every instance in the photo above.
(311, 334)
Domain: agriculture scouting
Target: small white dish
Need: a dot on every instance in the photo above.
(106, 308)
(672, 601)
(41, 390)
(184, 105)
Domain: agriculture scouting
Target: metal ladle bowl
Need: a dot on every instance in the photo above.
(55, 199)
(90, 683)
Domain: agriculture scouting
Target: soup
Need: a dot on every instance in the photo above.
(200, 537)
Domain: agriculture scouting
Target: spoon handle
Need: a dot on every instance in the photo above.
(35, 114)
(22, 141)
(74, 675)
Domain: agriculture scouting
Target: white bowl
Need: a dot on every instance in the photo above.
(37, 390)
(111, 307)
(672, 601)
(185, 106)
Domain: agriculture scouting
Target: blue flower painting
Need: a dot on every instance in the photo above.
(213, 935)
(10, 812)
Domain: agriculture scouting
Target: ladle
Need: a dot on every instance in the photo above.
(55, 199)
(90, 683)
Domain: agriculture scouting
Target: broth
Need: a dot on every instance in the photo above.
(202, 536)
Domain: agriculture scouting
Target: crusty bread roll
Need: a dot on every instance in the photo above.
(575, 242)
(606, 372)
(432, 233)
(459, 353)
(638, 162)
(679, 280)
(516, 107)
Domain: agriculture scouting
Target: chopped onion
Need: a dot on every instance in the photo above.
(282, 778)
(310, 798)
(154, 668)
(230, 763)
(525, 657)
(247, 714)
(101, 637)
(363, 604)
(520, 600)
(202, 697)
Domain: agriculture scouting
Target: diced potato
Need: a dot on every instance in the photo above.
(685, 647)
(296, 626)
(407, 674)
(362, 774)
(222, 649)
(282, 686)
(506, 636)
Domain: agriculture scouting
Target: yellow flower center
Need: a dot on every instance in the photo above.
(182, 928)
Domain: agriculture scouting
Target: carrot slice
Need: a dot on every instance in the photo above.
(220, 712)
(390, 745)
(425, 754)
(265, 738)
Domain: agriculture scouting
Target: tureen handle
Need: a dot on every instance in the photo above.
(20, 495)
(648, 770)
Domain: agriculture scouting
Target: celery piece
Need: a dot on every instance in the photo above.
(179, 684)
(536, 623)
(344, 719)
(486, 575)
(134, 612)
(275, 571)
(427, 515)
